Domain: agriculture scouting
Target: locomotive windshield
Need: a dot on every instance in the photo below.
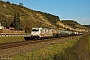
(35, 29)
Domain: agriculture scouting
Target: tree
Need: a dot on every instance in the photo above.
(21, 4)
(5, 22)
(16, 22)
(8, 2)
(27, 30)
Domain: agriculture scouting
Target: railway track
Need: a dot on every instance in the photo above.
(16, 44)
(20, 48)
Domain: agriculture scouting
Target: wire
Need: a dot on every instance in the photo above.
(33, 4)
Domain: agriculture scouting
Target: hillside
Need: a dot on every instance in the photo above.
(73, 24)
(88, 26)
(30, 18)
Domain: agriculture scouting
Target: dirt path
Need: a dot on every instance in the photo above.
(82, 48)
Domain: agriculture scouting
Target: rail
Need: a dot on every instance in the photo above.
(10, 34)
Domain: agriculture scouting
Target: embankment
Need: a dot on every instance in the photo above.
(11, 39)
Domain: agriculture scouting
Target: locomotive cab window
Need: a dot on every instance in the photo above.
(35, 29)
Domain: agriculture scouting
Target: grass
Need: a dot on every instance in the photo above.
(89, 44)
(51, 52)
(11, 39)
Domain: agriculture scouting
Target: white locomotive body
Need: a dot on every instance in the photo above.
(41, 32)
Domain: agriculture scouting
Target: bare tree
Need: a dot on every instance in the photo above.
(21, 4)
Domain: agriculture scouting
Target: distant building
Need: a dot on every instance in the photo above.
(1, 27)
(10, 30)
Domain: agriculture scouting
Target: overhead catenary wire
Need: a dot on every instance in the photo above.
(33, 4)
(30, 3)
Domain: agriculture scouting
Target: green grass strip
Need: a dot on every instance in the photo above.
(89, 43)
(11, 39)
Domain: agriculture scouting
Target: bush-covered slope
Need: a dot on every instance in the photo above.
(88, 26)
(73, 24)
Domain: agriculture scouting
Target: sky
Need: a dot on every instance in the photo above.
(77, 10)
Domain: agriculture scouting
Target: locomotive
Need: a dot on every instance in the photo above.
(41, 32)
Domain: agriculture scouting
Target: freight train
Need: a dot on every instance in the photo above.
(49, 32)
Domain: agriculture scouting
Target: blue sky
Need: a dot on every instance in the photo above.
(78, 10)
